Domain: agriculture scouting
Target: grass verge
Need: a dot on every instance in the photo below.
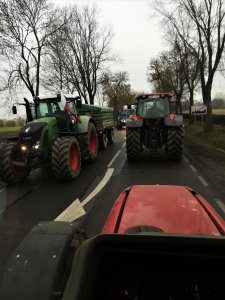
(10, 129)
(209, 141)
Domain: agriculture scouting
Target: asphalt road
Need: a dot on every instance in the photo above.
(42, 198)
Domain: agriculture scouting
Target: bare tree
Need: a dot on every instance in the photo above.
(189, 62)
(85, 50)
(117, 90)
(26, 28)
(167, 73)
(55, 75)
(190, 69)
(205, 40)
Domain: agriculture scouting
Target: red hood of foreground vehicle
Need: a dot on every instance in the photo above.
(170, 209)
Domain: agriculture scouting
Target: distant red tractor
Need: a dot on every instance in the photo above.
(157, 125)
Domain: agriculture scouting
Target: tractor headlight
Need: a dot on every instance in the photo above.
(24, 148)
(36, 146)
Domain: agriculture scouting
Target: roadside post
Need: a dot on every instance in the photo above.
(199, 110)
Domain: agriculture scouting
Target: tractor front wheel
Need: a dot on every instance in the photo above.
(66, 158)
(13, 166)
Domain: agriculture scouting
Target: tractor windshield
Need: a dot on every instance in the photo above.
(48, 108)
(153, 107)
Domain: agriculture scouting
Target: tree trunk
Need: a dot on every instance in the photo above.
(38, 72)
(191, 103)
(207, 100)
(178, 100)
(91, 98)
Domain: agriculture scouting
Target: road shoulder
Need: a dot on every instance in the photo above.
(210, 162)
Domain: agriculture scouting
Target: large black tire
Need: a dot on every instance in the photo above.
(103, 139)
(66, 158)
(10, 172)
(91, 144)
(174, 143)
(133, 143)
(110, 135)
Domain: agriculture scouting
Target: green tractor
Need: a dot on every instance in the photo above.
(58, 137)
(157, 126)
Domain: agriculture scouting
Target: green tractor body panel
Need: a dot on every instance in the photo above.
(83, 126)
(41, 132)
(102, 116)
(49, 133)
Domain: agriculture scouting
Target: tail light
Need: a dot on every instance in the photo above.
(170, 117)
(136, 118)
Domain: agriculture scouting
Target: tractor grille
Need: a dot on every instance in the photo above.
(31, 132)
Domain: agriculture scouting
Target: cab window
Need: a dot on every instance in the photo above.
(42, 109)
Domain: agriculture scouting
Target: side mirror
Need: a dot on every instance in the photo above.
(14, 109)
(78, 102)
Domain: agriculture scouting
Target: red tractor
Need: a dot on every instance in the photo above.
(159, 242)
(157, 126)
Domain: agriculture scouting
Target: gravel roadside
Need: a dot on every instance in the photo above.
(210, 161)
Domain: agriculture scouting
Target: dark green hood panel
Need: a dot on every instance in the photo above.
(43, 130)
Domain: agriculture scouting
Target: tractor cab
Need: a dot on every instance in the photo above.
(156, 105)
(52, 107)
(49, 106)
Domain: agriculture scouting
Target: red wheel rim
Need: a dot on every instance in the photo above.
(74, 159)
(93, 143)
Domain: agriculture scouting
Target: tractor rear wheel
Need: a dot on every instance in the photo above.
(110, 136)
(13, 166)
(133, 143)
(90, 145)
(175, 143)
(66, 158)
(103, 140)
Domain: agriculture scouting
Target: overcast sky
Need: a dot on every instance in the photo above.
(137, 35)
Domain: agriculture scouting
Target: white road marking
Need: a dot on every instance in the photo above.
(221, 204)
(203, 181)
(125, 137)
(114, 158)
(35, 171)
(72, 212)
(221, 150)
(185, 159)
(193, 168)
(100, 186)
(76, 210)
(2, 190)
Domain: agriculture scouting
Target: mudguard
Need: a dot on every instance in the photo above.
(134, 122)
(35, 269)
(173, 120)
(83, 127)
